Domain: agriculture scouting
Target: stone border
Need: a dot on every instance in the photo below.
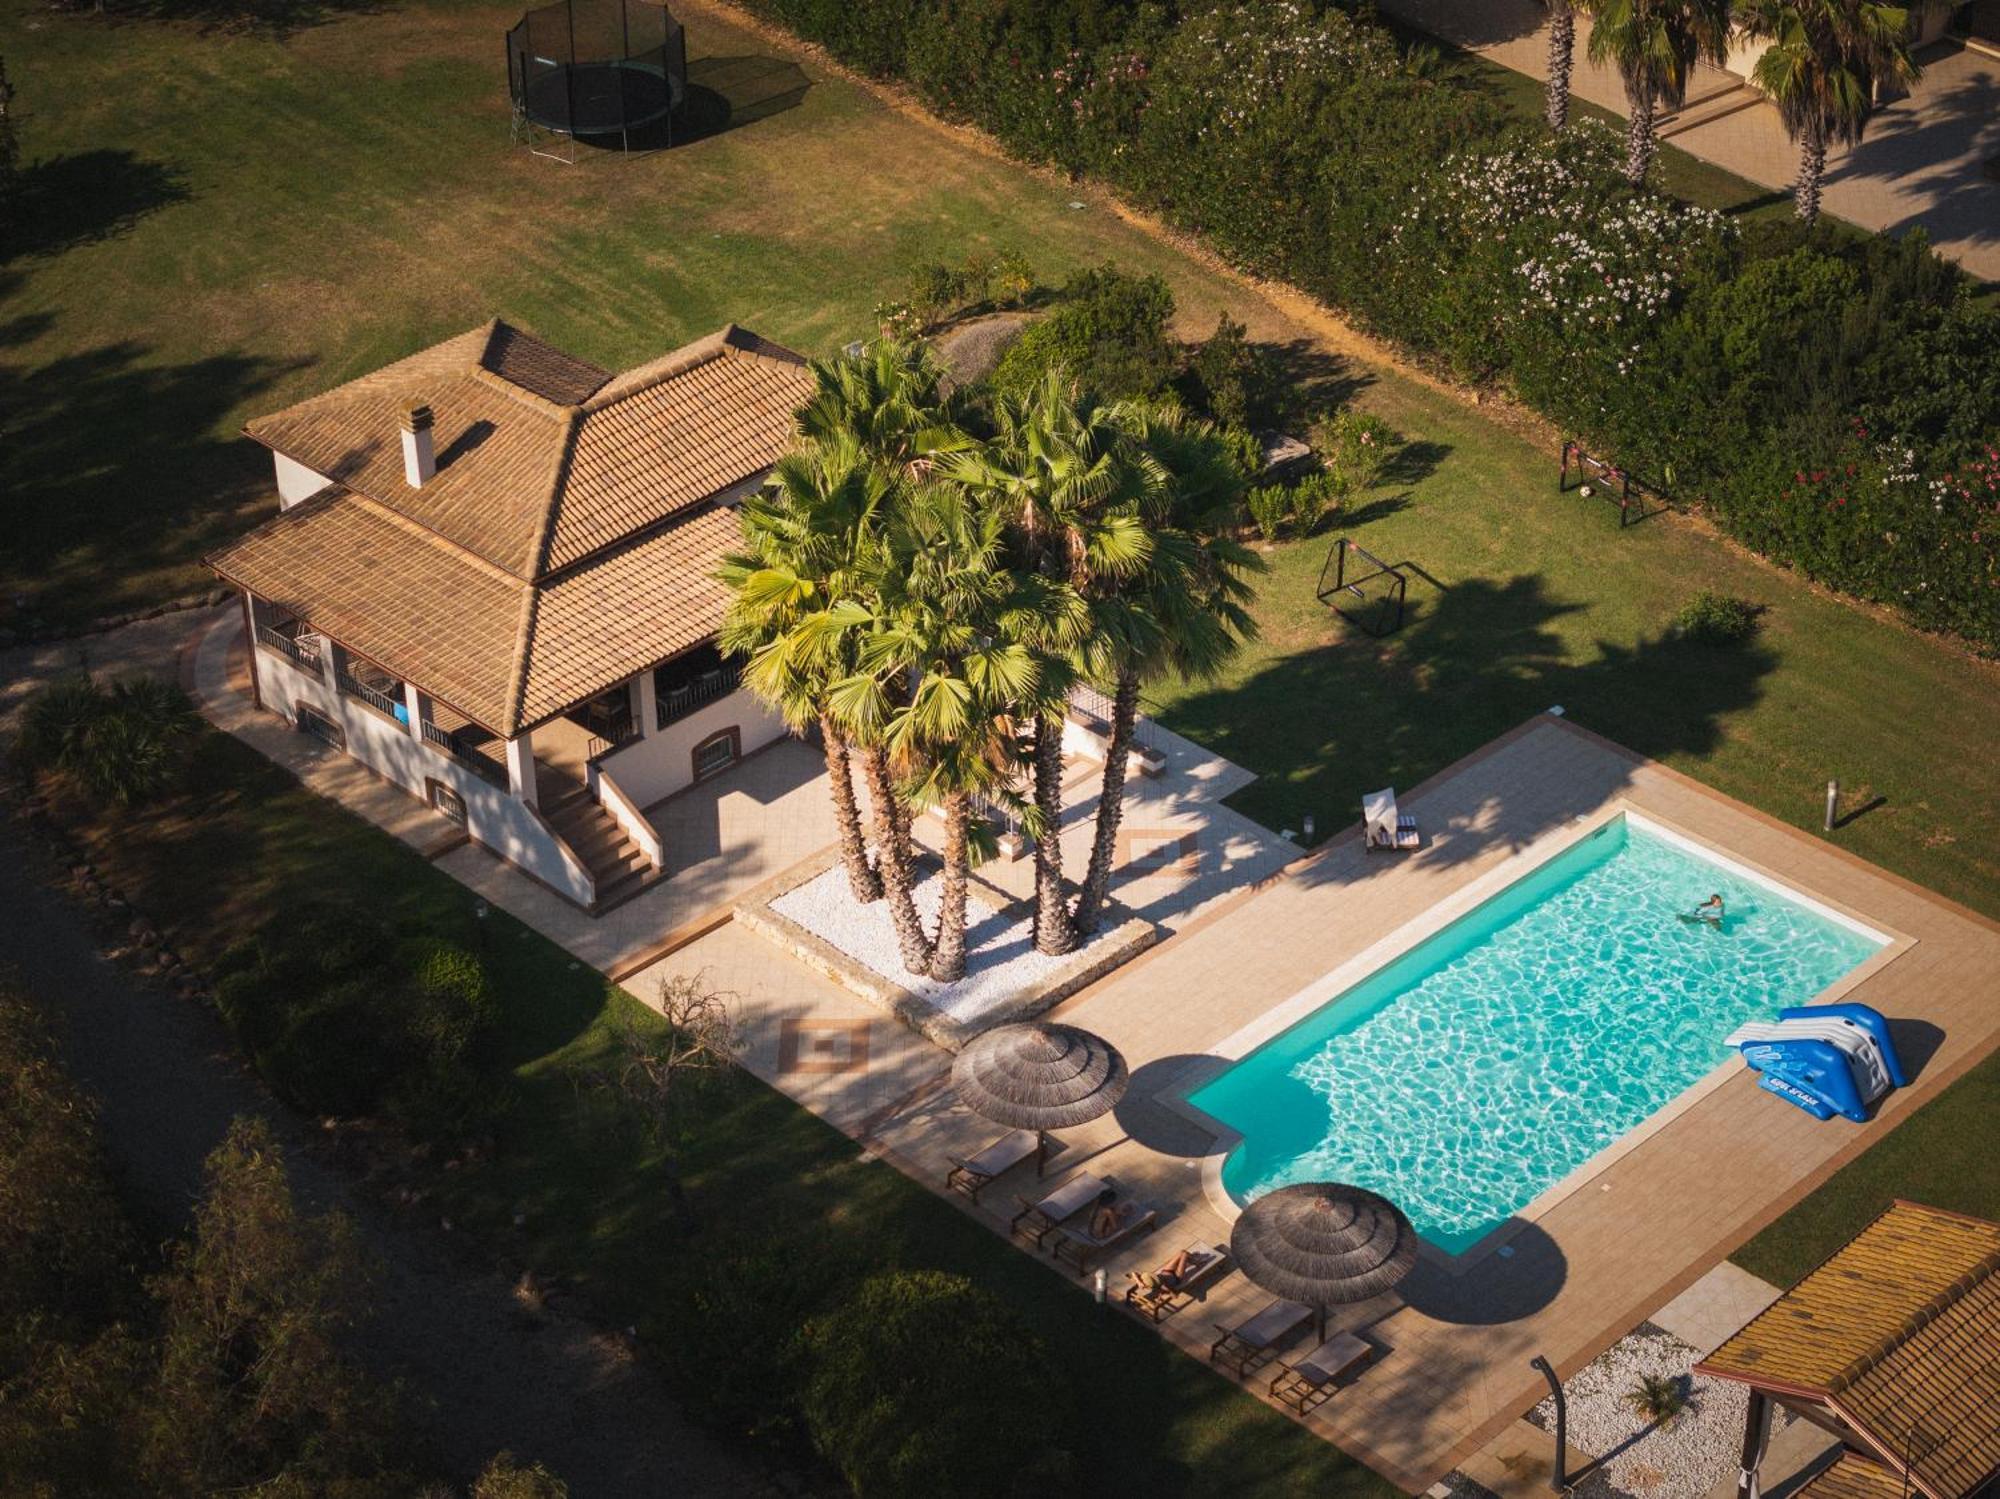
(1131, 936)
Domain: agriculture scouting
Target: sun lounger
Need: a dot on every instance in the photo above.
(1305, 1382)
(1242, 1347)
(1383, 826)
(1037, 1220)
(973, 1173)
(1158, 1302)
(1077, 1247)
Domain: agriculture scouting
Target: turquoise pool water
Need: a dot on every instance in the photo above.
(1493, 1059)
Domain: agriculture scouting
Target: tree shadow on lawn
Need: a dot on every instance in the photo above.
(273, 18)
(113, 466)
(1474, 659)
(83, 197)
(1308, 380)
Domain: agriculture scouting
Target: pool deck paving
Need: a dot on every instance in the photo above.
(1452, 1372)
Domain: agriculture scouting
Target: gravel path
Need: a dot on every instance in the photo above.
(550, 1389)
(1681, 1461)
(1000, 956)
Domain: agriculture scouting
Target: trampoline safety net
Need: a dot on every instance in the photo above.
(583, 68)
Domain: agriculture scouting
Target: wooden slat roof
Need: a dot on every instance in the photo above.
(1899, 1333)
(544, 459)
(1853, 1476)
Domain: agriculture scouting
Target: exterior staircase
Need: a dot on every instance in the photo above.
(619, 866)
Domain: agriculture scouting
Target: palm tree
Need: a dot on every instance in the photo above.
(1184, 613)
(1655, 45)
(1824, 62)
(1562, 54)
(809, 537)
(1068, 482)
(949, 635)
(889, 398)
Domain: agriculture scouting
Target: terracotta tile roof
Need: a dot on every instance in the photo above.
(1899, 1333)
(1854, 1477)
(544, 459)
(505, 653)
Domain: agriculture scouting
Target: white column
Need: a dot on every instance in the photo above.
(414, 701)
(521, 768)
(645, 703)
(330, 662)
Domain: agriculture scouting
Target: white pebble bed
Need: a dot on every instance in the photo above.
(1681, 1461)
(1000, 956)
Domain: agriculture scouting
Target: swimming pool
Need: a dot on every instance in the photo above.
(1479, 1069)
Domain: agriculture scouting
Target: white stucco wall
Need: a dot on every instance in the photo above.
(295, 481)
(649, 770)
(492, 817)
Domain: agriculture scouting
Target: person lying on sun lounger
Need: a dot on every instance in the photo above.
(1166, 1280)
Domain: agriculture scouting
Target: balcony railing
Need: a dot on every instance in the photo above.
(299, 651)
(703, 690)
(480, 765)
(374, 697)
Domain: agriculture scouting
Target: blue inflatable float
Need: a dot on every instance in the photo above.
(1827, 1059)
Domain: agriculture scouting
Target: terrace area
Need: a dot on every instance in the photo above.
(1453, 1343)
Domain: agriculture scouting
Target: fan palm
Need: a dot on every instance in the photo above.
(1822, 67)
(794, 607)
(1562, 55)
(943, 672)
(1654, 44)
(1068, 483)
(889, 398)
(1184, 612)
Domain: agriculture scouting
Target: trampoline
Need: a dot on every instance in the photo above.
(593, 69)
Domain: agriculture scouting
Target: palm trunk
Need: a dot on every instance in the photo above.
(1562, 52)
(861, 876)
(1639, 141)
(1055, 933)
(1812, 171)
(897, 862)
(1110, 804)
(948, 961)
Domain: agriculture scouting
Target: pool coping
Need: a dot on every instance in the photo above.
(1234, 1047)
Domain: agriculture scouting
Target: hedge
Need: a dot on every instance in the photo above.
(1726, 366)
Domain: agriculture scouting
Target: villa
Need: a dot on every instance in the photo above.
(491, 581)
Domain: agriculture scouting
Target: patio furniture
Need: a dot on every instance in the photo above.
(1156, 1302)
(1242, 1347)
(1324, 1243)
(1304, 1383)
(973, 1173)
(1384, 826)
(1037, 1220)
(1077, 1247)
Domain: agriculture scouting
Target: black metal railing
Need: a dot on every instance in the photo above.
(480, 765)
(300, 652)
(374, 697)
(703, 690)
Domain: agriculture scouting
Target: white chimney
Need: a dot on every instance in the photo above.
(419, 453)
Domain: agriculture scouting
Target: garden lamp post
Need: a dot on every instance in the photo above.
(1559, 1475)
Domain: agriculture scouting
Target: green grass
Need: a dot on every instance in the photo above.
(246, 841)
(1941, 1156)
(1521, 599)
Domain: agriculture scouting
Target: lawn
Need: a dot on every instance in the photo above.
(246, 840)
(226, 222)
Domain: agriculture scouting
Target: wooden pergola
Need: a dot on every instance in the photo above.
(1892, 1345)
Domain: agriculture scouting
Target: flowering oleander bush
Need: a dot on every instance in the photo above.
(1304, 142)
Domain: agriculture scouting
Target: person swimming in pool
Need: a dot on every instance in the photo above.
(1710, 910)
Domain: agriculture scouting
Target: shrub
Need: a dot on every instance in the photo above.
(1715, 619)
(504, 1478)
(1270, 507)
(1229, 380)
(1316, 498)
(1661, 1399)
(451, 1002)
(910, 1377)
(1109, 331)
(1013, 277)
(125, 743)
(1354, 448)
(733, 1348)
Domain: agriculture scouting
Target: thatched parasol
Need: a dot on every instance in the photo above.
(1040, 1076)
(1324, 1244)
